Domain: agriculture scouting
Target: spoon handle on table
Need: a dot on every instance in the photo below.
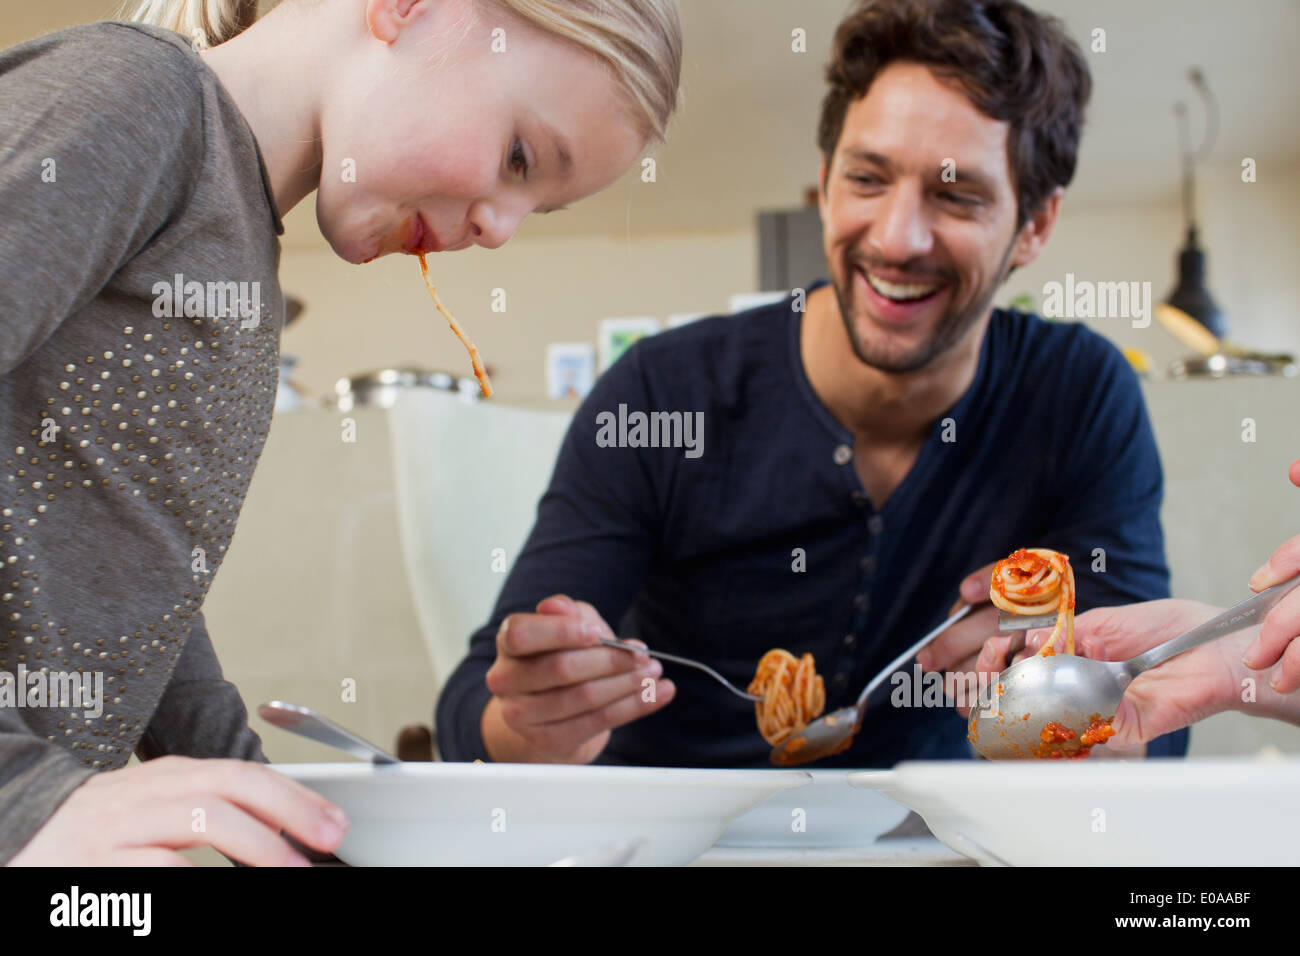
(305, 722)
(1236, 618)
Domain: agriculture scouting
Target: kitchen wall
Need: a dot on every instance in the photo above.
(557, 289)
(1250, 232)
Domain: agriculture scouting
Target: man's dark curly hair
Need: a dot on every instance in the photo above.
(1012, 63)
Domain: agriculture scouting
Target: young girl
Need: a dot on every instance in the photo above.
(146, 168)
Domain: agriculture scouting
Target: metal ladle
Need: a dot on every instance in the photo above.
(1072, 691)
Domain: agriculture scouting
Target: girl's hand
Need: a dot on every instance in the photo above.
(141, 815)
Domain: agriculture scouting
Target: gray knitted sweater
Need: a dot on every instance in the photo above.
(140, 319)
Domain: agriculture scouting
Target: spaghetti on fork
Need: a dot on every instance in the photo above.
(793, 694)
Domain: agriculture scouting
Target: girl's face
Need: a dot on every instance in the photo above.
(453, 121)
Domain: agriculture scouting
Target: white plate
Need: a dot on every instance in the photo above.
(1106, 813)
(834, 815)
(458, 814)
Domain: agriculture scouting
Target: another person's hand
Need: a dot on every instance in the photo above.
(1278, 636)
(1183, 690)
(1179, 692)
(142, 815)
(557, 692)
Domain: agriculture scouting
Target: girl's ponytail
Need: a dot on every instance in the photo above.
(206, 22)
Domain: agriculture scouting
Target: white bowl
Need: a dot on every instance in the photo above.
(833, 815)
(1106, 813)
(458, 814)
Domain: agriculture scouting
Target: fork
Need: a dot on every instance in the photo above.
(610, 642)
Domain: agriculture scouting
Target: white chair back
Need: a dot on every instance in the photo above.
(468, 479)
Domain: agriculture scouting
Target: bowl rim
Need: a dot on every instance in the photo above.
(743, 779)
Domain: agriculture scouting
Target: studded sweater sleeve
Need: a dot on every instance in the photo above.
(110, 472)
(66, 128)
(201, 713)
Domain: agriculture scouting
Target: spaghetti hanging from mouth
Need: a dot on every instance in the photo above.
(484, 383)
(1036, 581)
(792, 692)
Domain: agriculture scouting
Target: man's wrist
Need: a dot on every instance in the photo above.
(493, 728)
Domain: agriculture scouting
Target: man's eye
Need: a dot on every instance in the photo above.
(518, 161)
(959, 199)
(866, 179)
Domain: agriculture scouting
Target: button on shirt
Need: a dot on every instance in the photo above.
(764, 536)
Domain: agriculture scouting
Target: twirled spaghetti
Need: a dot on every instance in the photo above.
(792, 692)
(1037, 581)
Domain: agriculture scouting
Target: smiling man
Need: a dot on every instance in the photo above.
(870, 449)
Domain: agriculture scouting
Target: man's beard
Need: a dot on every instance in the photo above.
(951, 329)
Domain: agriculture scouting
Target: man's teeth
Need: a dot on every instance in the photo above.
(899, 291)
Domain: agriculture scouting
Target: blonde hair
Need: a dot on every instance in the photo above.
(207, 22)
(639, 40)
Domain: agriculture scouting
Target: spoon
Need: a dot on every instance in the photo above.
(305, 722)
(833, 732)
(610, 642)
(1073, 691)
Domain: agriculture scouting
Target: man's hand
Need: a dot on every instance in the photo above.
(557, 692)
(141, 815)
(1280, 630)
(957, 649)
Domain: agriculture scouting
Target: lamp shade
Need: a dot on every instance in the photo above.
(1191, 295)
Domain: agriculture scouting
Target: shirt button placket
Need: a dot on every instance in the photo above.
(843, 455)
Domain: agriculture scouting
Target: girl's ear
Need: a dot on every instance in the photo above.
(387, 18)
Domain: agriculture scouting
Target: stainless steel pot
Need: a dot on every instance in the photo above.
(381, 388)
(1224, 366)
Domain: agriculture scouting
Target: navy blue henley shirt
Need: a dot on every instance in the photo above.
(763, 536)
